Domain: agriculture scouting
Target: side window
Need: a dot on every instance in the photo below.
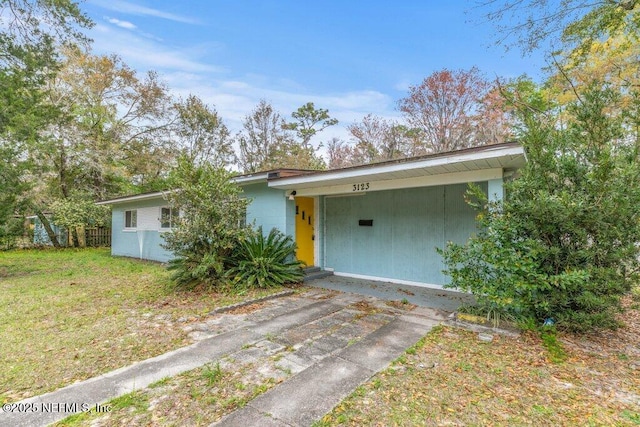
(167, 217)
(242, 221)
(131, 219)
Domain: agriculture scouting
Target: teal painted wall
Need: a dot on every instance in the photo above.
(270, 208)
(141, 243)
(320, 231)
(408, 225)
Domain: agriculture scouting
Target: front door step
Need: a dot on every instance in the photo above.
(312, 273)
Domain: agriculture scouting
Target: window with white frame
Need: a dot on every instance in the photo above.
(242, 221)
(168, 217)
(131, 219)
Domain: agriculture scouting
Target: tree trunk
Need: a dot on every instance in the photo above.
(47, 227)
(74, 234)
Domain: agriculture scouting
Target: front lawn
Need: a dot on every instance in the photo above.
(452, 378)
(69, 315)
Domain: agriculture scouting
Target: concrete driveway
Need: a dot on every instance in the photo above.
(438, 299)
(319, 344)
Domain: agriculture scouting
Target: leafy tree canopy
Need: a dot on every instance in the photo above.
(564, 243)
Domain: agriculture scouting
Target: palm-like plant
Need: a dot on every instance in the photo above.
(262, 262)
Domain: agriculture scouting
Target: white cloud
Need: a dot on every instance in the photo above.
(122, 24)
(235, 98)
(135, 9)
(234, 94)
(145, 53)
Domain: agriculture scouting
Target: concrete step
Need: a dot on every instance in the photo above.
(319, 274)
(312, 269)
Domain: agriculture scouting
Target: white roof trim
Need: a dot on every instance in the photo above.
(127, 199)
(485, 154)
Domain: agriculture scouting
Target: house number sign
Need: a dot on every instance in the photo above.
(363, 186)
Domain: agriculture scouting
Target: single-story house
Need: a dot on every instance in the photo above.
(381, 221)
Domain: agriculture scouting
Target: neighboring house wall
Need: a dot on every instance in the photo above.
(145, 240)
(408, 226)
(40, 236)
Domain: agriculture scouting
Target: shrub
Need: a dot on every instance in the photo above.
(263, 262)
(563, 245)
(207, 229)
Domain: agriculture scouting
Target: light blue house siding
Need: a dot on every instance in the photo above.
(269, 208)
(146, 239)
(408, 226)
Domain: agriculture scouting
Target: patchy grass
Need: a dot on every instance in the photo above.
(452, 378)
(195, 398)
(69, 315)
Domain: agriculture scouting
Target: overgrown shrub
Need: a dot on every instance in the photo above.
(564, 244)
(207, 227)
(263, 262)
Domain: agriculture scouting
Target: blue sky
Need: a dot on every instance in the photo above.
(351, 57)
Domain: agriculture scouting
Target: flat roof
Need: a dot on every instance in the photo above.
(506, 156)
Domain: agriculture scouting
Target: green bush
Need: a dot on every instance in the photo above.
(263, 262)
(201, 265)
(207, 230)
(563, 245)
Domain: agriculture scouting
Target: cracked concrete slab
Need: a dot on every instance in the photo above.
(307, 396)
(382, 346)
(321, 344)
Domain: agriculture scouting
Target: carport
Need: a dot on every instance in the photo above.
(384, 221)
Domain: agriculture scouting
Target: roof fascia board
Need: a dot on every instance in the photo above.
(250, 179)
(404, 166)
(128, 199)
(394, 184)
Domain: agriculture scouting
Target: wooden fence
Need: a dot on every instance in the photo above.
(97, 236)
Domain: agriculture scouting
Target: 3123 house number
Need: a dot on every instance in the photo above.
(363, 186)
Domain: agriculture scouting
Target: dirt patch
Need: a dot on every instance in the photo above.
(401, 305)
(365, 307)
(246, 309)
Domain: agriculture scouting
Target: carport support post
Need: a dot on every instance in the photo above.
(495, 190)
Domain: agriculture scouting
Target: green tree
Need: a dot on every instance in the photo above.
(266, 141)
(564, 243)
(111, 129)
(31, 33)
(201, 134)
(114, 123)
(76, 213)
(308, 122)
(576, 24)
(208, 227)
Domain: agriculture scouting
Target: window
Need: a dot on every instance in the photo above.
(130, 219)
(168, 217)
(242, 221)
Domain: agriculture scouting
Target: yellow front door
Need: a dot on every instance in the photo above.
(304, 229)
